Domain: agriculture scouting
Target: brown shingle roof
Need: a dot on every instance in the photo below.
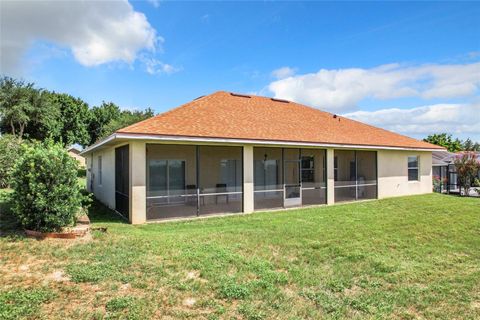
(226, 115)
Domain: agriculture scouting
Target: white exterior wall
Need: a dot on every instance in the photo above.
(104, 192)
(393, 173)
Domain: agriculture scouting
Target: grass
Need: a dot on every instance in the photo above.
(404, 258)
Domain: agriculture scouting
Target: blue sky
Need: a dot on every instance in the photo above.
(409, 67)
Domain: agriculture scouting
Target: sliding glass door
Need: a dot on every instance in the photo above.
(167, 179)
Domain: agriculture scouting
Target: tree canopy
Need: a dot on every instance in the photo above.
(39, 114)
(453, 145)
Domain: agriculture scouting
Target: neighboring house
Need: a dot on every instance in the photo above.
(229, 153)
(75, 153)
(444, 171)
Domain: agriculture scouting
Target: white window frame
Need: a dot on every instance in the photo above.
(413, 168)
(100, 169)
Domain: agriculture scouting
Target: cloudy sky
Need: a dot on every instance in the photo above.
(413, 68)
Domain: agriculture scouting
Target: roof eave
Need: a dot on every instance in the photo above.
(157, 137)
(98, 144)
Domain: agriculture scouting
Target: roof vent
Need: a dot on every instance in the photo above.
(198, 98)
(279, 100)
(239, 95)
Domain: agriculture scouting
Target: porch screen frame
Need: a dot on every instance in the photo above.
(122, 185)
(357, 185)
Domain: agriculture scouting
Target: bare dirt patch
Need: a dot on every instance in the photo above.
(189, 302)
(57, 276)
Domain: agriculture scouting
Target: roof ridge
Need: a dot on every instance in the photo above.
(171, 110)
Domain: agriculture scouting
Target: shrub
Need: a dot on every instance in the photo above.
(46, 193)
(467, 166)
(82, 173)
(10, 152)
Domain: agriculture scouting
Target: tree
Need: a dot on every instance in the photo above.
(469, 145)
(467, 165)
(17, 102)
(108, 118)
(125, 119)
(74, 118)
(100, 117)
(446, 141)
(45, 119)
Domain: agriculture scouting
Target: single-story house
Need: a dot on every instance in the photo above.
(232, 153)
(74, 152)
(444, 172)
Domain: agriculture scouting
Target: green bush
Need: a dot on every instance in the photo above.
(10, 152)
(46, 194)
(82, 173)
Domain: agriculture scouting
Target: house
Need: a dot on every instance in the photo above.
(75, 153)
(444, 172)
(232, 153)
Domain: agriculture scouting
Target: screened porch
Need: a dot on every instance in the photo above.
(188, 181)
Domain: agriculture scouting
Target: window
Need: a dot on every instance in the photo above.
(308, 169)
(99, 170)
(413, 168)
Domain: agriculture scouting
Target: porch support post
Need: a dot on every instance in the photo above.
(138, 201)
(330, 177)
(247, 179)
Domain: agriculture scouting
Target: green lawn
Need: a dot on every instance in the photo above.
(404, 258)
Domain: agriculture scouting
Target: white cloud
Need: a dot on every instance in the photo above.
(283, 72)
(205, 18)
(343, 89)
(154, 66)
(96, 32)
(155, 3)
(420, 121)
